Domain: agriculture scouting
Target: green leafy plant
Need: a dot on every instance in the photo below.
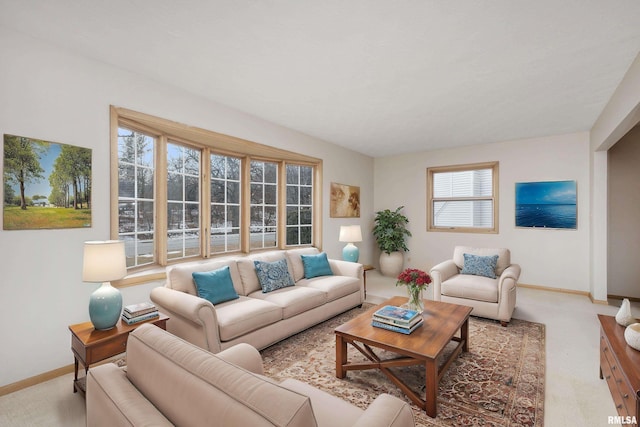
(390, 230)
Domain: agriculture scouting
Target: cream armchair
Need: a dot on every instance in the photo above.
(493, 298)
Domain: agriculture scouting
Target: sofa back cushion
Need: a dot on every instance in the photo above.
(504, 256)
(192, 387)
(295, 261)
(247, 269)
(180, 277)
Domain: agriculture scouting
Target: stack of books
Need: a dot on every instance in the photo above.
(397, 319)
(136, 313)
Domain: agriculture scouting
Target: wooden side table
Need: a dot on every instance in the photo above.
(90, 346)
(366, 267)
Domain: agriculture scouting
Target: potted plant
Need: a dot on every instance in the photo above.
(390, 232)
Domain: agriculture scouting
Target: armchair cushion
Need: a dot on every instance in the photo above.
(473, 287)
(215, 286)
(480, 265)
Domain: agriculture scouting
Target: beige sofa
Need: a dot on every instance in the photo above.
(168, 381)
(257, 318)
(493, 298)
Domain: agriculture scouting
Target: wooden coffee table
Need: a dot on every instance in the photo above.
(424, 346)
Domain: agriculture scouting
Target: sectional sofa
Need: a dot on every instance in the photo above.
(168, 381)
(257, 315)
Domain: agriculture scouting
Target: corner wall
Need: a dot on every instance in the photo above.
(51, 94)
(551, 258)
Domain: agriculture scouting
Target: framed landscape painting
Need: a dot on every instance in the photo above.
(547, 204)
(46, 184)
(345, 201)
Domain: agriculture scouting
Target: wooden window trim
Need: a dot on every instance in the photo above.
(209, 142)
(495, 166)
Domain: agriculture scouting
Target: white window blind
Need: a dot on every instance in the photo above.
(462, 198)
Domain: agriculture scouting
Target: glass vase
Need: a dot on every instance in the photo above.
(416, 301)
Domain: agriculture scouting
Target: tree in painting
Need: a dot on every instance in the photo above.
(22, 162)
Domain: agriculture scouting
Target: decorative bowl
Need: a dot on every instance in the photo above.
(632, 335)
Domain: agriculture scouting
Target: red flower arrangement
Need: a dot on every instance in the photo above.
(416, 281)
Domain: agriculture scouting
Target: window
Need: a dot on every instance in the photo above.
(299, 204)
(463, 198)
(136, 219)
(183, 193)
(225, 203)
(264, 205)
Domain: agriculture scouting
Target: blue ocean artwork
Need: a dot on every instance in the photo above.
(549, 204)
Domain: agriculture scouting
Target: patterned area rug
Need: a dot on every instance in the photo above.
(499, 382)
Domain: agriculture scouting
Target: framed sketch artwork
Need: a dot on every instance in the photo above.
(345, 201)
(46, 184)
(547, 204)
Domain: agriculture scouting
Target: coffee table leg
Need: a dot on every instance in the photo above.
(341, 356)
(431, 390)
(464, 335)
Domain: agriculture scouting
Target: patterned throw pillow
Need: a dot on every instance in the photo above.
(316, 265)
(480, 265)
(273, 275)
(215, 286)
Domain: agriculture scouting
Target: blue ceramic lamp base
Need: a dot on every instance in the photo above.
(350, 253)
(105, 307)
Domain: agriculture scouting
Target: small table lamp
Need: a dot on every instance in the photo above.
(350, 234)
(104, 261)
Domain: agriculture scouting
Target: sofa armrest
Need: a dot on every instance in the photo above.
(192, 318)
(245, 356)
(346, 268)
(387, 411)
(113, 400)
(441, 272)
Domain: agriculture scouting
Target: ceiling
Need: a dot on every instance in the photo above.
(381, 77)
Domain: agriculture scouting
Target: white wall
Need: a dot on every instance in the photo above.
(551, 258)
(48, 93)
(624, 211)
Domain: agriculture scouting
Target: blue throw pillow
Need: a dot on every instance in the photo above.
(316, 265)
(215, 286)
(480, 265)
(273, 275)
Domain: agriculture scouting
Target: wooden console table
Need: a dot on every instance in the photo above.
(620, 366)
(90, 346)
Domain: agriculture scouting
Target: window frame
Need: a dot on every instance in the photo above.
(494, 166)
(209, 142)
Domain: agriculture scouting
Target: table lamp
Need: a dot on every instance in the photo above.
(350, 234)
(103, 262)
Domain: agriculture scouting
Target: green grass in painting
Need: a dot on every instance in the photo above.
(40, 218)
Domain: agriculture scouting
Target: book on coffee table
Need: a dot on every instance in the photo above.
(395, 328)
(397, 315)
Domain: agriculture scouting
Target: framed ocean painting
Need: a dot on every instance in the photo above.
(547, 204)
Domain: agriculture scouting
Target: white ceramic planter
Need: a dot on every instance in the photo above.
(391, 264)
(632, 335)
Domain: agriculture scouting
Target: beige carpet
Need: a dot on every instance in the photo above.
(499, 382)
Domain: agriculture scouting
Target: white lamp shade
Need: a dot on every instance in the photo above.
(104, 261)
(350, 233)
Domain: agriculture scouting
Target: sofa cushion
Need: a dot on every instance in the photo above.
(471, 287)
(480, 265)
(191, 386)
(215, 286)
(180, 277)
(273, 275)
(295, 261)
(316, 265)
(333, 286)
(329, 410)
(504, 256)
(293, 300)
(243, 315)
(247, 269)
